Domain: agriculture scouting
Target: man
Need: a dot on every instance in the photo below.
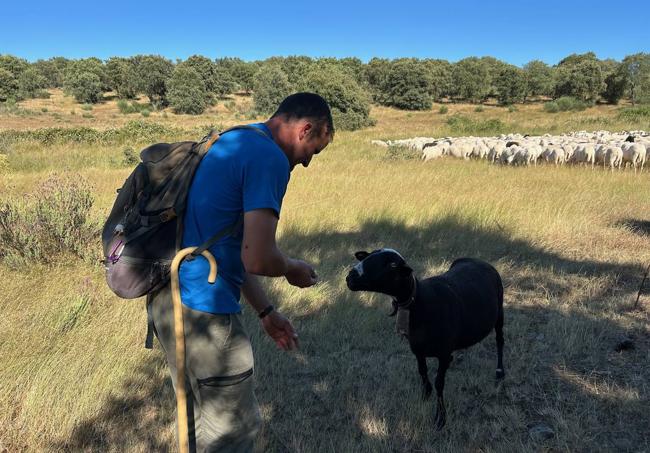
(245, 171)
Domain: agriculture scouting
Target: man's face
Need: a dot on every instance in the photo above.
(308, 143)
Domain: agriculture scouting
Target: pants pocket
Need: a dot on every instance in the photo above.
(225, 381)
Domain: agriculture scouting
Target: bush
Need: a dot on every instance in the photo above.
(402, 153)
(634, 113)
(512, 108)
(350, 105)
(565, 104)
(87, 107)
(132, 132)
(153, 73)
(49, 222)
(86, 87)
(462, 124)
(145, 113)
(129, 157)
(271, 86)
(125, 107)
(31, 83)
(407, 86)
(187, 92)
(478, 108)
(8, 85)
(443, 109)
(551, 107)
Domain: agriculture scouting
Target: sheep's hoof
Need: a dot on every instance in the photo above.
(441, 419)
(500, 374)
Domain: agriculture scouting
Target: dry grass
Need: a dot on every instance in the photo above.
(570, 243)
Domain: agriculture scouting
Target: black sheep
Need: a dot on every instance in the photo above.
(447, 312)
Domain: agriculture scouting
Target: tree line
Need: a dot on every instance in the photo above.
(192, 85)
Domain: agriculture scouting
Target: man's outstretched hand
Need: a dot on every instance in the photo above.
(280, 329)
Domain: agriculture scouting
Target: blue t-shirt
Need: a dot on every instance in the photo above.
(241, 172)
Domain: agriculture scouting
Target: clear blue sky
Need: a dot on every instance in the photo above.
(513, 31)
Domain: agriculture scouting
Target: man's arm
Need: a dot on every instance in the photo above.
(261, 255)
(276, 325)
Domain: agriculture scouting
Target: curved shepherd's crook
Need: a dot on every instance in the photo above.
(179, 333)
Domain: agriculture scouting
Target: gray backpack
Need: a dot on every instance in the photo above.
(144, 229)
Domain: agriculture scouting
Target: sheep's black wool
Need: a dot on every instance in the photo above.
(448, 312)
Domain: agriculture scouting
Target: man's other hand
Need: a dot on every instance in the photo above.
(280, 329)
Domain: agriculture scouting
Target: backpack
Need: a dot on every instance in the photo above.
(144, 230)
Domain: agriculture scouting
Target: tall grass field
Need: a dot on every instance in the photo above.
(571, 243)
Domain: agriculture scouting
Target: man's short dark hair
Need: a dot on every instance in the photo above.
(307, 106)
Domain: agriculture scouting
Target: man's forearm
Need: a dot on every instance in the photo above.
(272, 264)
(254, 293)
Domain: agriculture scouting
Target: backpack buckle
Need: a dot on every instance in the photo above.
(167, 215)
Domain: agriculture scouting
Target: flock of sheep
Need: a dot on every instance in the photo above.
(609, 149)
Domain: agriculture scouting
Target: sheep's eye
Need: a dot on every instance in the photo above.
(393, 265)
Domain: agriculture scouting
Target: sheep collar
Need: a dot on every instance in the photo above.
(404, 305)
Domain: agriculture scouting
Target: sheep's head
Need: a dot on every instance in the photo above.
(383, 271)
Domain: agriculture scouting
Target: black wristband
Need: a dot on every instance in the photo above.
(266, 311)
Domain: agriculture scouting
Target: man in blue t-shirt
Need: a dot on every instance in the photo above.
(245, 172)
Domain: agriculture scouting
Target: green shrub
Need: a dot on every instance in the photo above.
(86, 87)
(407, 85)
(125, 107)
(44, 109)
(462, 124)
(402, 153)
(350, 104)
(512, 108)
(145, 113)
(551, 107)
(87, 107)
(132, 132)
(634, 113)
(443, 109)
(8, 85)
(567, 103)
(478, 108)
(271, 86)
(87, 115)
(47, 223)
(187, 92)
(129, 157)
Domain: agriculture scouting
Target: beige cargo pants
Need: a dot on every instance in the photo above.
(223, 413)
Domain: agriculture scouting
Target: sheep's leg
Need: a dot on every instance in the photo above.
(424, 374)
(441, 412)
(498, 328)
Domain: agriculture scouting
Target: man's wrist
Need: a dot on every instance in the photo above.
(269, 308)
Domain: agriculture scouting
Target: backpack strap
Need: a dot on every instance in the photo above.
(227, 231)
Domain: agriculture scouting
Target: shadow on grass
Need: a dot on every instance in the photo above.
(353, 386)
(640, 227)
(133, 418)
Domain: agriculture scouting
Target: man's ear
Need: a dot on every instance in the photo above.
(361, 255)
(305, 129)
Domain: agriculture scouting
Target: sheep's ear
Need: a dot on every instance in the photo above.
(405, 270)
(361, 255)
